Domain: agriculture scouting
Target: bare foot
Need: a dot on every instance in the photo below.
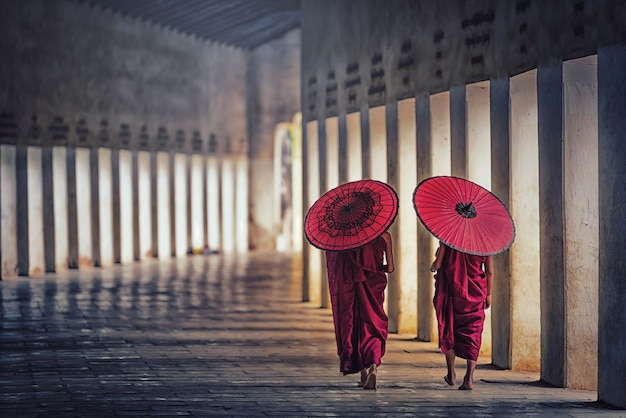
(363, 378)
(450, 380)
(370, 382)
(466, 386)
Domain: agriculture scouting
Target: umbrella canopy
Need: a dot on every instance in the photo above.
(464, 215)
(351, 215)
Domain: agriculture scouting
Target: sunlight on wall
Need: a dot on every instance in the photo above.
(406, 246)
(126, 207)
(180, 193)
(83, 208)
(296, 183)
(355, 153)
(197, 205)
(9, 210)
(36, 261)
(163, 200)
(378, 144)
(228, 205)
(313, 177)
(145, 205)
(213, 202)
(524, 207)
(106, 206)
(59, 176)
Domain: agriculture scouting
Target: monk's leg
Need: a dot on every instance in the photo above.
(450, 378)
(468, 380)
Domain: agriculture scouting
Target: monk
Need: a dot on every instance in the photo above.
(463, 285)
(357, 282)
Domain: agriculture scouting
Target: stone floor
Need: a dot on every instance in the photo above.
(222, 336)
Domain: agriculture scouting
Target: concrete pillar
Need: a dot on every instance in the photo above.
(154, 206)
(478, 164)
(343, 149)
(72, 208)
(197, 209)
(525, 294)
(94, 186)
(241, 203)
(36, 249)
(323, 175)
(499, 107)
(125, 219)
(84, 208)
(60, 215)
(377, 162)
(425, 285)
(306, 247)
(105, 187)
(8, 211)
(332, 153)
(136, 219)
(458, 131)
(47, 206)
(22, 221)
(173, 203)
(228, 204)
(163, 200)
(315, 256)
(405, 238)
(213, 203)
(116, 212)
(354, 150)
(188, 208)
(612, 195)
(394, 287)
(296, 185)
(180, 207)
(365, 143)
(147, 245)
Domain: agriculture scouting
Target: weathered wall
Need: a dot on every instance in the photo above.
(70, 73)
(273, 97)
(370, 52)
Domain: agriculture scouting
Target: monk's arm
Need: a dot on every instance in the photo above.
(389, 252)
(489, 274)
(439, 258)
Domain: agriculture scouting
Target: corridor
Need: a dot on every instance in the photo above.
(223, 335)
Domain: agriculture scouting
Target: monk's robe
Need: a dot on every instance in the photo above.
(357, 284)
(460, 292)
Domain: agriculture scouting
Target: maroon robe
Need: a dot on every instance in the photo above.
(460, 292)
(357, 284)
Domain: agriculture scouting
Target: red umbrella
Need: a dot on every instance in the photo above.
(351, 215)
(464, 215)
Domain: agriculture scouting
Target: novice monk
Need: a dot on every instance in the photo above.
(463, 285)
(357, 284)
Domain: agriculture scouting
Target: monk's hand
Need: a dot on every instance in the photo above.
(488, 302)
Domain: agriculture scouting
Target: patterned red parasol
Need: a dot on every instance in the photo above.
(351, 215)
(464, 215)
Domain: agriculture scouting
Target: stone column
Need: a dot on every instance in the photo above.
(524, 206)
(377, 144)
(612, 215)
(241, 202)
(134, 180)
(94, 164)
(47, 187)
(72, 208)
(172, 202)
(405, 241)
(306, 247)
(343, 148)
(332, 153)
(35, 204)
(458, 131)
(126, 193)
(323, 176)
(394, 287)
(9, 237)
(424, 238)
(354, 149)
(189, 190)
(84, 208)
(115, 206)
(154, 205)
(213, 202)
(500, 186)
(105, 191)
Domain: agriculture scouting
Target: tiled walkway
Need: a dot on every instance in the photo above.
(222, 336)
